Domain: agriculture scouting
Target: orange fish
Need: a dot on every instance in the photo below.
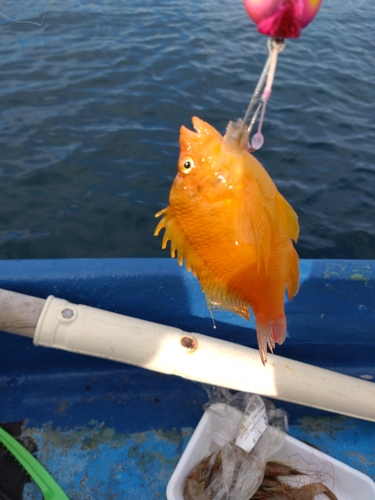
(233, 228)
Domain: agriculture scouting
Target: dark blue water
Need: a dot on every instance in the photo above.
(92, 100)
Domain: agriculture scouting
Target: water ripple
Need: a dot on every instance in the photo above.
(91, 103)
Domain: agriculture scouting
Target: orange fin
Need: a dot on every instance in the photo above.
(289, 218)
(293, 276)
(218, 296)
(251, 224)
(289, 221)
(269, 334)
(172, 233)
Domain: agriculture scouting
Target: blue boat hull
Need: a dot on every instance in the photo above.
(108, 430)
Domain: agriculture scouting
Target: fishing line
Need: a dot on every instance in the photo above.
(275, 46)
(23, 22)
(39, 24)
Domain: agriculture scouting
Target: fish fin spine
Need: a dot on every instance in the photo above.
(165, 223)
(178, 242)
(218, 296)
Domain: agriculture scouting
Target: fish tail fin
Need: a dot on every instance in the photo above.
(269, 334)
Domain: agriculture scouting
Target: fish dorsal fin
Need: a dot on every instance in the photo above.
(218, 295)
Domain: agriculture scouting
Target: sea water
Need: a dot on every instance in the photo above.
(92, 96)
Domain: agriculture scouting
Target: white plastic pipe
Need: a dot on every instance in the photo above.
(193, 356)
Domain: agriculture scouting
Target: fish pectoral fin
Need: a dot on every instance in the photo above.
(251, 222)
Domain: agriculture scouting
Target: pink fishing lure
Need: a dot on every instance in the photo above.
(282, 18)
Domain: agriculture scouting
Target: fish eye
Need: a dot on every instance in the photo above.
(187, 165)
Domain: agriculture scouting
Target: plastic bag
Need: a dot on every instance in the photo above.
(230, 472)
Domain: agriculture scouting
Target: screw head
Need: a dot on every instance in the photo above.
(67, 313)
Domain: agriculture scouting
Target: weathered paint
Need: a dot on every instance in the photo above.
(95, 461)
(349, 440)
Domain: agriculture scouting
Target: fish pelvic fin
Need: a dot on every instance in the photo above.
(218, 295)
(269, 334)
(219, 298)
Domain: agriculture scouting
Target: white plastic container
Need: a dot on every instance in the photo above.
(345, 482)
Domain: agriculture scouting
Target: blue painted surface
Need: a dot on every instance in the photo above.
(96, 462)
(108, 430)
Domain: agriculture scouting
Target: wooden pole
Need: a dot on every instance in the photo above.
(19, 313)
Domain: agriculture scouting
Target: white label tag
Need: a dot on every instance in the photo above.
(254, 423)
